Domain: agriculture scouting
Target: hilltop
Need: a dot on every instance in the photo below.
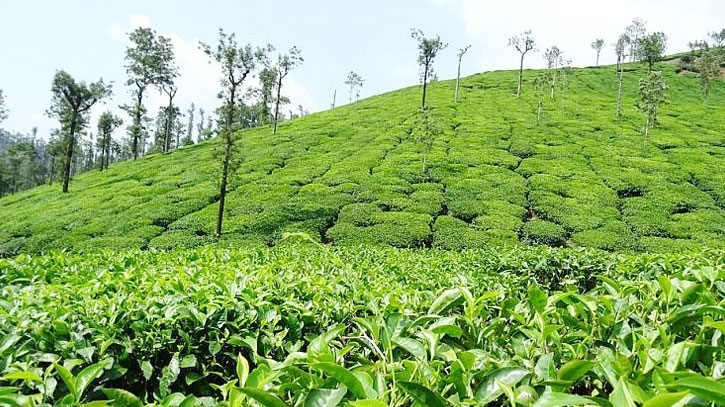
(354, 174)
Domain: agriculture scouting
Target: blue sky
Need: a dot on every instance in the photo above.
(88, 38)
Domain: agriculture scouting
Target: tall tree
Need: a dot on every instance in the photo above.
(598, 45)
(149, 62)
(189, 136)
(636, 30)
(708, 66)
(71, 104)
(539, 83)
(552, 56)
(284, 65)
(621, 49)
(428, 49)
(523, 43)
(107, 124)
(3, 109)
(652, 94)
(718, 37)
(461, 53)
(652, 48)
(237, 63)
(354, 82)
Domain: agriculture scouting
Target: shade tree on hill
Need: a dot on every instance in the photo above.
(461, 53)
(71, 104)
(354, 82)
(281, 68)
(652, 94)
(428, 49)
(523, 43)
(149, 62)
(553, 57)
(237, 63)
(598, 45)
(620, 47)
(652, 48)
(107, 124)
(635, 30)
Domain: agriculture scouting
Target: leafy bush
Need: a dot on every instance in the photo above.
(539, 231)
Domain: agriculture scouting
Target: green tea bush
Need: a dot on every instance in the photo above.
(539, 231)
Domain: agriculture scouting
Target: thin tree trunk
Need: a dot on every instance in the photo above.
(425, 86)
(458, 79)
(619, 93)
(538, 112)
(276, 105)
(69, 153)
(137, 122)
(597, 58)
(521, 73)
(225, 163)
(334, 96)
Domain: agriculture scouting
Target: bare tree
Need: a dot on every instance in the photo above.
(523, 43)
(354, 83)
(552, 56)
(285, 63)
(461, 53)
(636, 30)
(621, 49)
(598, 45)
(428, 49)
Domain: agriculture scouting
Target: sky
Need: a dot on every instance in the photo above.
(371, 37)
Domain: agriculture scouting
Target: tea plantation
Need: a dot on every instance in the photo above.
(310, 326)
(356, 175)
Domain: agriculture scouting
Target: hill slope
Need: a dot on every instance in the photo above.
(354, 174)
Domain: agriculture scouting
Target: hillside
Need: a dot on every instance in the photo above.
(355, 175)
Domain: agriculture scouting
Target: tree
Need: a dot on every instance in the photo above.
(285, 63)
(189, 136)
(598, 45)
(3, 109)
(718, 37)
(621, 48)
(354, 83)
(149, 62)
(652, 94)
(71, 104)
(426, 127)
(461, 53)
(428, 49)
(708, 65)
(636, 30)
(552, 56)
(107, 123)
(523, 43)
(237, 63)
(652, 48)
(539, 83)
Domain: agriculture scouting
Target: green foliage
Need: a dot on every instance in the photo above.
(488, 171)
(544, 232)
(316, 326)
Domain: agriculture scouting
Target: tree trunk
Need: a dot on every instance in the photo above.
(228, 142)
(646, 133)
(334, 96)
(425, 86)
(521, 73)
(137, 123)
(619, 93)
(598, 58)
(276, 105)
(538, 112)
(458, 79)
(69, 153)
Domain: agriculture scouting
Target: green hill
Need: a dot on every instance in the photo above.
(355, 174)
